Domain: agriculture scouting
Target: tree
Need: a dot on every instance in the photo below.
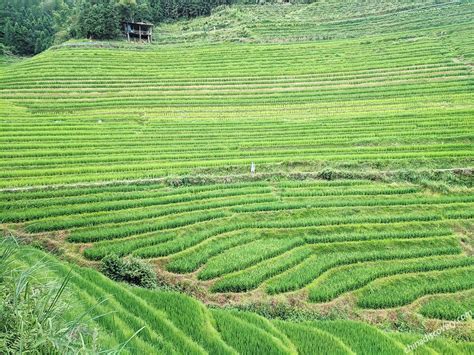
(28, 26)
(98, 19)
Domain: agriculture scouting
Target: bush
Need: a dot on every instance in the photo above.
(131, 270)
(4, 50)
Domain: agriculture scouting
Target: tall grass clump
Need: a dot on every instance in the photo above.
(32, 312)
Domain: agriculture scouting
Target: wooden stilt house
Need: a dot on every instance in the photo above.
(138, 31)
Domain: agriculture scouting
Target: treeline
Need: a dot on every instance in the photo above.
(28, 27)
(100, 19)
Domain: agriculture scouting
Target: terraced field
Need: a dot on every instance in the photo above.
(387, 103)
(321, 238)
(321, 20)
(175, 323)
(359, 122)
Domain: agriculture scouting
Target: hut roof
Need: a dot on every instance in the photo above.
(140, 23)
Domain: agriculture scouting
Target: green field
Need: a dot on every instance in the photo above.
(359, 119)
(175, 323)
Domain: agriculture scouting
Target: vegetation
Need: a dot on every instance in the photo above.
(30, 26)
(135, 160)
(404, 289)
(131, 270)
(251, 235)
(31, 310)
(350, 277)
(449, 307)
(130, 319)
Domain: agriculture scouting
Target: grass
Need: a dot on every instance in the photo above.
(361, 337)
(403, 289)
(448, 307)
(347, 278)
(250, 278)
(307, 271)
(312, 341)
(241, 256)
(358, 117)
(280, 236)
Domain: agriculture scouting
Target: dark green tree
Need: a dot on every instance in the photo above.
(28, 26)
(98, 19)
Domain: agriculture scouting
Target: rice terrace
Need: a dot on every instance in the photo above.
(254, 177)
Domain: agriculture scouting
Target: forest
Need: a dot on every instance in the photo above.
(28, 27)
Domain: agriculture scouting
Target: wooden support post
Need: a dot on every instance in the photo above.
(140, 32)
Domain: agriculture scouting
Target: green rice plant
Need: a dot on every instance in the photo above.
(188, 315)
(367, 231)
(310, 340)
(358, 116)
(192, 258)
(245, 255)
(137, 200)
(403, 289)
(267, 326)
(134, 214)
(87, 287)
(125, 230)
(235, 223)
(347, 278)
(179, 243)
(176, 323)
(159, 332)
(449, 307)
(444, 346)
(464, 348)
(346, 253)
(393, 218)
(337, 192)
(434, 346)
(276, 206)
(408, 339)
(359, 337)
(125, 246)
(252, 277)
(246, 337)
(43, 197)
(267, 90)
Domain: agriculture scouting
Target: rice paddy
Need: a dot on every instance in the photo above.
(360, 127)
(171, 322)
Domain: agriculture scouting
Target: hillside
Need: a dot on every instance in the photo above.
(174, 323)
(322, 20)
(358, 116)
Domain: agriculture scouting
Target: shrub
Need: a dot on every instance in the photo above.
(131, 270)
